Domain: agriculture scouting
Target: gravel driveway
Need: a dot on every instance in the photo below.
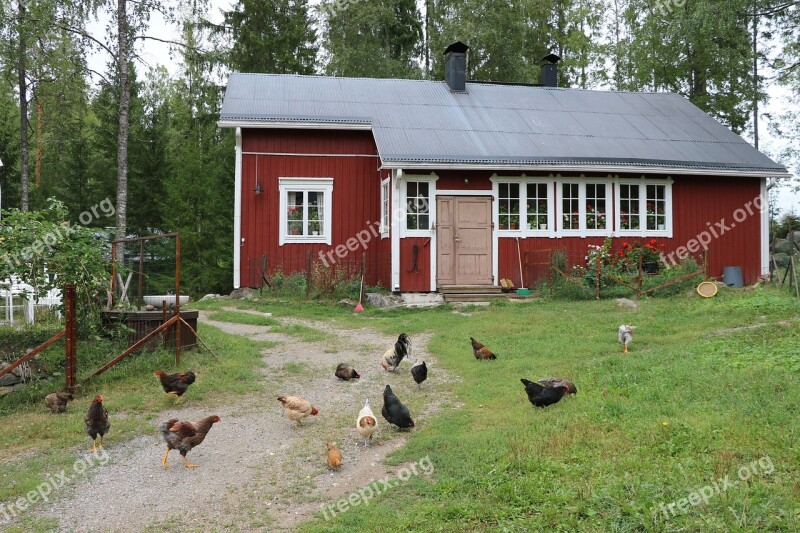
(257, 472)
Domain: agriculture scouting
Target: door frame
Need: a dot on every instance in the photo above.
(435, 244)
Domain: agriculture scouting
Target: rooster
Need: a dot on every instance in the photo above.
(481, 351)
(97, 422)
(183, 436)
(366, 423)
(419, 372)
(541, 396)
(346, 372)
(57, 401)
(394, 411)
(175, 384)
(625, 335)
(334, 456)
(393, 356)
(555, 382)
(297, 408)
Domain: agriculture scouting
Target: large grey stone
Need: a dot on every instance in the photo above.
(243, 293)
(377, 299)
(9, 379)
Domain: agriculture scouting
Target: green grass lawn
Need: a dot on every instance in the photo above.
(700, 397)
(692, 403)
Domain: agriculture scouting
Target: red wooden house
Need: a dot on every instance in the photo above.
(456, 183)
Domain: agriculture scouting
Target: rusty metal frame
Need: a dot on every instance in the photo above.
(70, 331)
(141, 241)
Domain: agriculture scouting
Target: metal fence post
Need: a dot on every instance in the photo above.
(71, 329)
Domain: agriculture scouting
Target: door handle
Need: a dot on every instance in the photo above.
(457, 239)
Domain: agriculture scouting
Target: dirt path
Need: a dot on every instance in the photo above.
(256, 471)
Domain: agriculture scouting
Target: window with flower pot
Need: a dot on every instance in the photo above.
(570, 206)
(305, 207)
(585, 207)
(644, 207)
(629, 219)
(537, 207)
(508, 206)
(595, 203)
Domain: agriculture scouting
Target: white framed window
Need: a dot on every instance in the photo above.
(508, 206)
(524, 205)
(385, 208)
(644, 207)
(585, 206)
(537, 206)
(305, 210)
(417, 196)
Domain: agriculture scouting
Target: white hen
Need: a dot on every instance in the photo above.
(366, 423)
(626, 336)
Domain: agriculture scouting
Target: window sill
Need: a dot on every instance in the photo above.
(417, 233)
(303, 239)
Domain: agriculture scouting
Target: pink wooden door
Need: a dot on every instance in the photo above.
(464, 240)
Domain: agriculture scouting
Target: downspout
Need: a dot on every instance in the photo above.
(237, 212)
(765, 226)
(395, 224)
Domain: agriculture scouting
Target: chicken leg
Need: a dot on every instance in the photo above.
(164, 459)
(188, 464)
(175, 395)
(93, 449)
(625, 348)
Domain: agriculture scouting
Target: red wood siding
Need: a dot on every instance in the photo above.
(697, 202)
(415, 279)
(453, 180)
(356, 200)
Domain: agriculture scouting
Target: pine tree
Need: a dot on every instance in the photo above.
(373, 38)
(270, 36)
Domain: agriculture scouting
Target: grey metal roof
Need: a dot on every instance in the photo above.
(423, 122)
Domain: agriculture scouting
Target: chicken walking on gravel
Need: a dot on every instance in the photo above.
(366, 423)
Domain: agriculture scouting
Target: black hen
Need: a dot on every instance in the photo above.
(97, 421)
(175, 384)
(541, 396)
(346, 372)
(419, 372)
(394, 411)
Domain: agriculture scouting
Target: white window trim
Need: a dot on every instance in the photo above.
(583, 231)
(386, 219)
(523, 182)
(643, 182)
(324, 185)
(430, 179)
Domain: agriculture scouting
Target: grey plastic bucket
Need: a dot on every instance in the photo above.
(732, 276)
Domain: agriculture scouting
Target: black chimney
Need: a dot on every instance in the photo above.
(455, 66)
(549, 70)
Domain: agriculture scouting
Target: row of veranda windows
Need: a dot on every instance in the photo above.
(520, 206)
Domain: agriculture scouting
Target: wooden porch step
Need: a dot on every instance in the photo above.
(472, 293)
(470, 289)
